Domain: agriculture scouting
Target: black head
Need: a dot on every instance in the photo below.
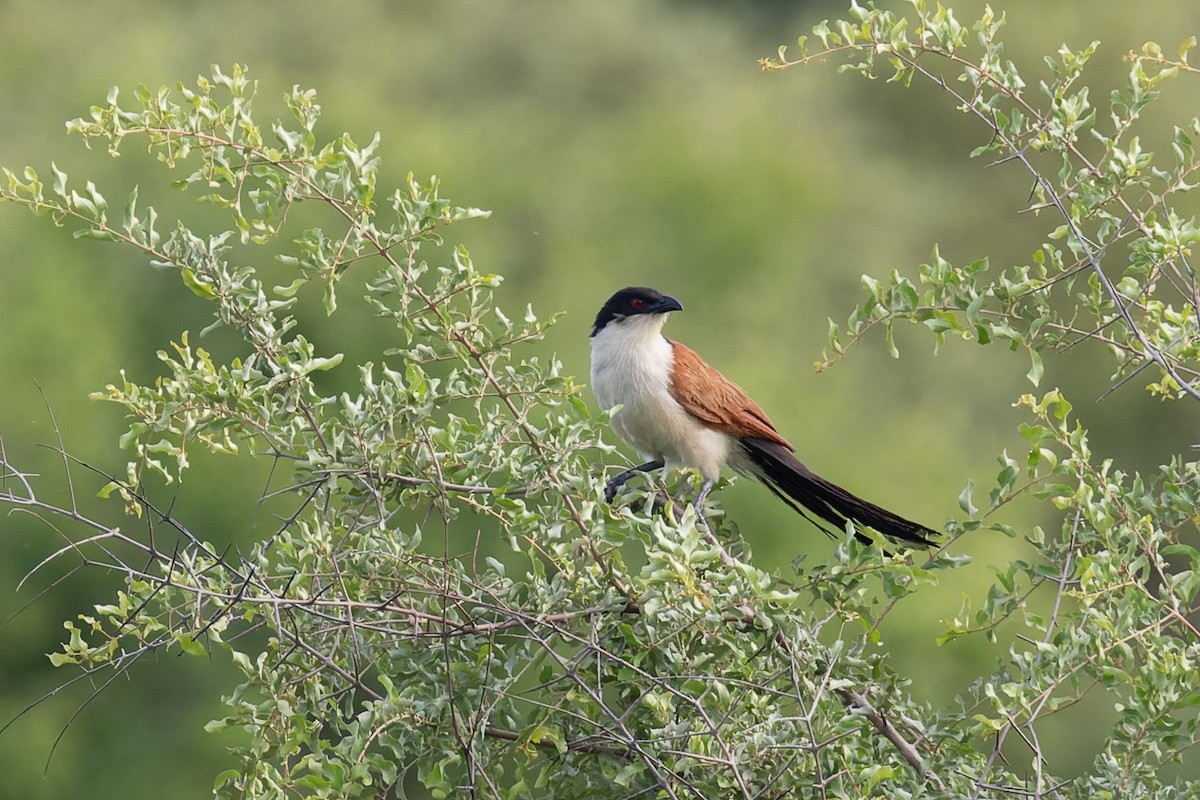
(632, 301)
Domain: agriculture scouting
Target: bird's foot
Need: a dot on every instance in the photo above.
(617, 481)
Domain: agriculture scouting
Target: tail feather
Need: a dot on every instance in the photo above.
(801, 488)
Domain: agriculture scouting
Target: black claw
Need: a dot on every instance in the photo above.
(617, 481)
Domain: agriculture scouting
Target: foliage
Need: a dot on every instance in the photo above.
(1088, 169)
(616, 647)
(1114, 268)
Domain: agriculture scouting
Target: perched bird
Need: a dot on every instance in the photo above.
(677, 409)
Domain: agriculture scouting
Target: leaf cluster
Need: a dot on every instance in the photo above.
(1114, 266)
(1109, 605)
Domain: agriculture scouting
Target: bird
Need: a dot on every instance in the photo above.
(675, 409)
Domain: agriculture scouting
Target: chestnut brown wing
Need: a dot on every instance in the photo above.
(717, 401)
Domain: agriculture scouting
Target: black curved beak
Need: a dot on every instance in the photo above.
(667, 303)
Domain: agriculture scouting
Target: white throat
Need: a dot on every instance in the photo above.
(631, 357)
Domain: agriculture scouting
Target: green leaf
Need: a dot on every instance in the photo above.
(96, 235)
(874, 774)
(322, 364)
(190, 646)
(59, 185)
(197, 287)
(1036, 368)
(964, 499)
(129, 218)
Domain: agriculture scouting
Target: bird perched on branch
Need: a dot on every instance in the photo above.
(676, 409)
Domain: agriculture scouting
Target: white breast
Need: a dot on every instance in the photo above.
(631, 367)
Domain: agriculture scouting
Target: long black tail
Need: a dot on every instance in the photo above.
(801, 488)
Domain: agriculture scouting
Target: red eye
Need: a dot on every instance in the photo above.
(637, 303)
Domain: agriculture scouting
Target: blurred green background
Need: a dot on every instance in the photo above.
(616, 143)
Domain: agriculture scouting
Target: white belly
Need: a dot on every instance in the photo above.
(631, 367)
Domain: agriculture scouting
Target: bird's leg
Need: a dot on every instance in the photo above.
(698, 504)
(617, 481)
(705, 488)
